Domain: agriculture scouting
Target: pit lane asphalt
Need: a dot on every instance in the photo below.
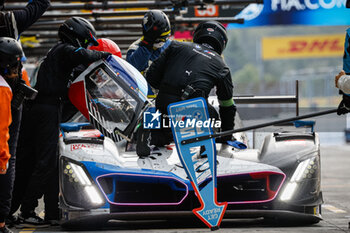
(335, 165)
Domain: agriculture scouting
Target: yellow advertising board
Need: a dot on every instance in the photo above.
(311, 46)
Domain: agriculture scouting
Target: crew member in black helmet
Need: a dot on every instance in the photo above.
(188, 70)
(10, 68)
(12, 23)
(37, 166)
(155, 39)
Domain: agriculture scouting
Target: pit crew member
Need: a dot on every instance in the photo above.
(188, 70)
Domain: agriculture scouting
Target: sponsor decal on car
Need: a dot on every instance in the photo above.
(80, 146)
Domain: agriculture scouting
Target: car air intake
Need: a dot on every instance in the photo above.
(142, 189)
(249, 188)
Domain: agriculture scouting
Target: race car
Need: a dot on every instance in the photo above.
(102, 178)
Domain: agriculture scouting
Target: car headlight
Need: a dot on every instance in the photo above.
(305, 170)
(77, 187)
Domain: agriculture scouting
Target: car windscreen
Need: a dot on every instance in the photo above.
(115, 106)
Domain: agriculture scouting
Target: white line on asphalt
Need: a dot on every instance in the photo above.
(333, 209)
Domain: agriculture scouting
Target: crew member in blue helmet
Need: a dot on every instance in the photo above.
(156, 31)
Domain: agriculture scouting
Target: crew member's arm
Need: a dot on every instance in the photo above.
(138, 55)
(227, 109)
(155, 72)
(30, 14)
(5, 121)
(342, 81)
(83, 56)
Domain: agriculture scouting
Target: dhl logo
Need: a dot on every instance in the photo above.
(303, 46)
(298, 46)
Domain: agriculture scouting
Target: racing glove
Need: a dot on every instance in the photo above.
(146, 43)
(105, 54)
(237, 144)
(337, 77)
(21, 92)
(344, 106)
(149, 39)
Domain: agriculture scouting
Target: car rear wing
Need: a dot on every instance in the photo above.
(281, 99)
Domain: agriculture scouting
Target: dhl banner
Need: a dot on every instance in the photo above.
(311, 46)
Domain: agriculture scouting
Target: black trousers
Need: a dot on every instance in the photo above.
(146, 139)
(6, 181)
(37, 160)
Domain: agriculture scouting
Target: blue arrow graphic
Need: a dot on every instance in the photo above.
(190, 118)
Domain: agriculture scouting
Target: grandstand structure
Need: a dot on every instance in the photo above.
(121, 20)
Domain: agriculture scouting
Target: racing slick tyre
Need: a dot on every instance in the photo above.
(294, 219)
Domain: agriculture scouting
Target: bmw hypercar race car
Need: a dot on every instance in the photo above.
(102, 178)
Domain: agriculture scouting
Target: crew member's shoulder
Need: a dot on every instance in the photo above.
(61, 44)
(187, 45)
(3, 83)
(68, 47)
(61, 48)
(179, 44)
(135, 45)
(208, 53)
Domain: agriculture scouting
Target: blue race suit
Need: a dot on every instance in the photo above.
(141, 57)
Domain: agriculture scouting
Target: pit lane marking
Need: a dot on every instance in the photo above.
(333, 209)
(31, 230)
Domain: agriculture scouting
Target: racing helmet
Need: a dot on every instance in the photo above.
(212, 33)
(156, 23)
(10, 55)
(78, 32)
(107, 45)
